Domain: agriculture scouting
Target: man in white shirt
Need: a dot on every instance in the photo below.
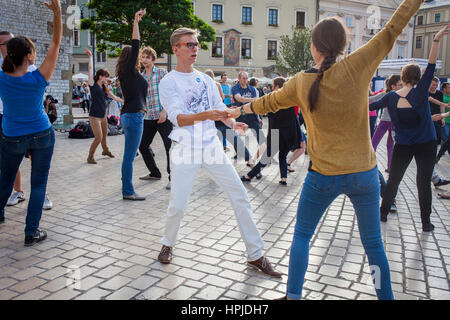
(193, 103)
(17, 194)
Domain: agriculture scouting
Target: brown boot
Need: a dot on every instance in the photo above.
(165, 256)
(91, 159)
(107, 153)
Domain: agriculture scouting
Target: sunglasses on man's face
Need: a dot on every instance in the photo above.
(191, 45)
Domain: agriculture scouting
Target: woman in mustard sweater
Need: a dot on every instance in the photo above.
(333, 100)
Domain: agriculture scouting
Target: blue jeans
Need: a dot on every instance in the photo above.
(318, 193)
(133, 125)
(252, 121)
(40, 146)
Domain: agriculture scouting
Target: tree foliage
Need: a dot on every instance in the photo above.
(294, 53)
(113, 23)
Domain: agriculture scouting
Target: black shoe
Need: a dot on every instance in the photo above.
(383, 217)
(284, 183)
(259, 176)
(393, 208)
(441, 182)
(2, 220)
(235, 157)
(244, 179)
(39, 236)
(427, 227)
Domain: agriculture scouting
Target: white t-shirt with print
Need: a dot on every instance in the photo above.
(190, 93)
(30, 69)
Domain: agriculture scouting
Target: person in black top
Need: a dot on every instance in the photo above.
(437, 106)
(50, 108)
(284, 124)
(134, 90)
(97, 113)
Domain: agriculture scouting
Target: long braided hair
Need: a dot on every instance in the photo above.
(329, 37)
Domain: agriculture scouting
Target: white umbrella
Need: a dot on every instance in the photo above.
(80, 77)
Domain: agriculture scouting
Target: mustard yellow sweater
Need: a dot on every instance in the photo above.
(338, 130)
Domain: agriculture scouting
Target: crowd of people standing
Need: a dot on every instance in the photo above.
(195, 117)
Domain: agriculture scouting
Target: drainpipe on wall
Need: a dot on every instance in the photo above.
(317, 10)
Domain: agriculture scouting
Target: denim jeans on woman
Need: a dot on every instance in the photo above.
(318, 193)
(13, 149)
(132, 124)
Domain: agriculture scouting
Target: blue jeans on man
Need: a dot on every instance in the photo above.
(40, 146)
(231, 135)
(319, 191)
(133, 125)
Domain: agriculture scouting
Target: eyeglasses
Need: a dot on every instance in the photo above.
(191, 45)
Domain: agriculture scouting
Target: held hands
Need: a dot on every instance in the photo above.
(442, 32)
(54, 5)
(233, 113)
(138, 16)
(216, 115)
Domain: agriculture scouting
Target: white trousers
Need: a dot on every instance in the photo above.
(185, 163)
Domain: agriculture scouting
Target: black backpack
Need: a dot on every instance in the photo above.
(82, 130)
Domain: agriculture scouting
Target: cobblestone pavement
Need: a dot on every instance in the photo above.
(112, 245)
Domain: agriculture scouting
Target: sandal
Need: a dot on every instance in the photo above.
(290, 169)
(244, 179)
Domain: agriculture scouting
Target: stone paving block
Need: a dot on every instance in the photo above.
(27, 273)
(143, 282)
(108, 272)
(64, 294)
(329, 270)
(88, 283)
(210, 293)
(417, 286)
(35, 294)
(153, 293)
(27, 285)
(182, 293)
(341, 294)
(94, 294)
(171, 281)
(51, 263)
(7, 294)
(438, 294)
(126, 293)
(115, 283)
(333, 281)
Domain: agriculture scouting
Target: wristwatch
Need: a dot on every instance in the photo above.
(242, 111)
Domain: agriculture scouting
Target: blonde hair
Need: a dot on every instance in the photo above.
(177, 34)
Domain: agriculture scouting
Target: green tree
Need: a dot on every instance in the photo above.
(294, 54)
(113, 23)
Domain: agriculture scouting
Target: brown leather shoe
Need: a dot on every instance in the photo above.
(165, 256)
(108, 153)
(91, 160)
(264, 265)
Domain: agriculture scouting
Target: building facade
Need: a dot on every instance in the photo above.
(248, 33)
(433, 16)
(364, 18)
(34, 20)
(83, 39)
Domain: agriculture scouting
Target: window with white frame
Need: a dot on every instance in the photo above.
(89, 35)
(419, 42)
(401, 52)
(349, 21)
(437, 17)
(273, 17)
(101, 56)
(272, 46)
(246, 15)
(300, 19)
(217, 50)
(217, 13)
(246, 48)
(419, 20)
(76, 38)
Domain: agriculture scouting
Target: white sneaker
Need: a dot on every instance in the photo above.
(15, 198)
(168, 186)
(47, 203)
